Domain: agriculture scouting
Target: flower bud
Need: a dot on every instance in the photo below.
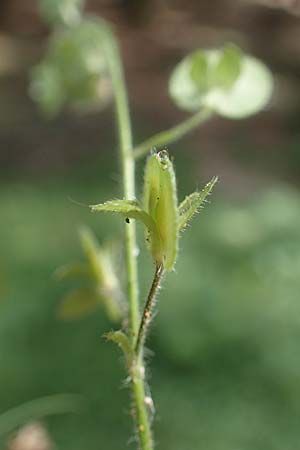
(160, 202)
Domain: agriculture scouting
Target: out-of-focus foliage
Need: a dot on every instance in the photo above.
(66, 12)
(226, 81)
(103, 286)
(226, 336)
(74, 70)
(39, 408)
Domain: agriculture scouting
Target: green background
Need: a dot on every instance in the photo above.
(224, 347)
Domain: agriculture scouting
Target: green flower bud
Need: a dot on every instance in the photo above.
(160, 202)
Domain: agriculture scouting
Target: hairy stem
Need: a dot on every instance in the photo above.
(148, 310)
(128, 175)
(173, 134)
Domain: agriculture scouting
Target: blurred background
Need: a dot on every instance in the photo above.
(225, 367)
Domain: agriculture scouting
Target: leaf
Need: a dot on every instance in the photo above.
(47, 89)
(120, 338)
(128, 209)
(249, 94)
(78, 303)
(237, 85)
(207, 75)
(192, 203)
(74, 71)
(72, 271)
(160, 202)
(200, 70)
(229, 66)
(65, 12)
(102, 268)
(39, 408)
(183, 89)
(92, 251)
(111, 299)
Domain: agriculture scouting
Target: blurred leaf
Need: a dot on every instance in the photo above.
(127, 208)
(104, 287)
(224, 73)
(74, 71)
(237, 85)
(78, 303)
(191, 204)
(249, 94)
(67, 12)
(229, 66)
(92, 251)
(72, 271)
(47, 88)
(113, 305)
(199, 71)
(40, 407)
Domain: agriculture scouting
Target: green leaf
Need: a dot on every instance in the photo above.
(92, 251)
(160, 202)
(207, 74)
(248, 95)
(102, 268)
(72, 271)
(40, 408)
(229, 66)
(74, 71)
(111, 298)
(78, 303)
(238, 85)
(200, 71)
(120, 338)
(47, 88)
(127, 208)
(193, 202)
(66, 12)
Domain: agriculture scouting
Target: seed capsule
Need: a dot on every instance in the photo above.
(160, 202)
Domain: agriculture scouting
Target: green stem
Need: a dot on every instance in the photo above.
(173, 134)
(128, 174)
(148, 310)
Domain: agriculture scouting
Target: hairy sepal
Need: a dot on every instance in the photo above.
(192, 203)
(160, 202)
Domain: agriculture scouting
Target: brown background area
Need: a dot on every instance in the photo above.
(154, 36)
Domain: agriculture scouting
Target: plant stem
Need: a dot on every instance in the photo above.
(128, 177)
(173, 134)
(128, 174)
(148, 309)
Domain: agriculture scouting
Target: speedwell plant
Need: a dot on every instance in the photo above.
(82, 66)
